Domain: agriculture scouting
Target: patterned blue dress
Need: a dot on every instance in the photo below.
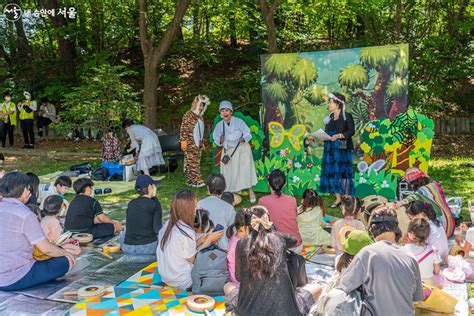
(337, 173)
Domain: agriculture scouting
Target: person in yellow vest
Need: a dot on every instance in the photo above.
(27, 109)
(7, 119)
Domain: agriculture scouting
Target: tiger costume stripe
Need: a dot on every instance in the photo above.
(191, 138)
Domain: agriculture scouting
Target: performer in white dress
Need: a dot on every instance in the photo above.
(234, 135)
(147, 145)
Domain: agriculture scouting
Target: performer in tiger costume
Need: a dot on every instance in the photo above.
(191, 138)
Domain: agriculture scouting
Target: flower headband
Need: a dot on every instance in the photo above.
(332, 96)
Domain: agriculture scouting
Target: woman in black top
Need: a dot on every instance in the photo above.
(337, 173)
(265, 285)
(144, 217)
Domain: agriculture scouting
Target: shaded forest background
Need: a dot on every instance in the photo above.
(155, 56)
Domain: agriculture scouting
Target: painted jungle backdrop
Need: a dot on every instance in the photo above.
(374, 81)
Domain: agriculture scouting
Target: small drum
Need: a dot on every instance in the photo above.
(83, 238)
(200, 303)
(91, 291)
(457, 250)
(112, 248)
(344, 233)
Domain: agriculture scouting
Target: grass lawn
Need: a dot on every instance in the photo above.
(455, 174)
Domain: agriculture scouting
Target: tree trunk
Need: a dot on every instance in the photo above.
(195, 10)
(398, 19)
(233, 29)
(403, 157)
(153, 55)
(379, 94)
(149, 94)
(24, 48)
(66, 47)
(268, 13)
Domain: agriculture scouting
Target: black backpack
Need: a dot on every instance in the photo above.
(99, 174)
(83, 168)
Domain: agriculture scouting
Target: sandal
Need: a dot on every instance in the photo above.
(335, 205)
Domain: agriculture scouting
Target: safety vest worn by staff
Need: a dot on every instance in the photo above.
(9, 107)
(25, 115)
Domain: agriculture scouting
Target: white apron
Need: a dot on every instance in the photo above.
(239, 173)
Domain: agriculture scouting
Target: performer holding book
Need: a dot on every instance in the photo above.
(237, 164)
(337, 174)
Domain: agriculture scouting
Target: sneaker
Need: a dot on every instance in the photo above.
(200, 185)
(191, 185)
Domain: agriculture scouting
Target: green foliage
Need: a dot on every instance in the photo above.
(100, 102)
(354, 76)
(375, 57)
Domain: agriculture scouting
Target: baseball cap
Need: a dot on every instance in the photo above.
(356, 240)
(144, 181)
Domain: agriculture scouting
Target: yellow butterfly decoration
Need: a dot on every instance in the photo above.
(278, 134)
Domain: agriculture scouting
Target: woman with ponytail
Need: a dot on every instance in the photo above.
(265, 285)
(178, 243)
(282, 208)
(310, 220)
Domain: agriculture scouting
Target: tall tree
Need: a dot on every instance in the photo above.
(65, 45)
(153, 55)
(268, 13)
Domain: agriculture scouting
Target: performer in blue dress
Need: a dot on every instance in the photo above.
(337, 173)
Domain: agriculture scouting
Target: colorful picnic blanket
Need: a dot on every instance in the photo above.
(145, 293)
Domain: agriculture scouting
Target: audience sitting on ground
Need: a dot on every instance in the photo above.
(19, 233)
(437, 237)
(178, 244)
(236, 232)
(2, 172)
(389, 275)
(52, 227)
(310, 220)
(60, 187)
(33, 185)
(143, 219)
(261, 267)
(228, 197)
(350, 206)
(426, 255)
(432, 193)
(220, 212)
(85, 213)
(282, 208)
(202, 223)
(334, 301)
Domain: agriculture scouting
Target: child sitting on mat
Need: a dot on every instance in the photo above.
(60, 187)
(228, 197)
(310, 219)
(437, 236)
(426, 255)
(85, 213)
(350, 207)
(235, 232)
(50, 224)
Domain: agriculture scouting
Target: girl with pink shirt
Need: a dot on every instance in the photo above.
(282, 208)
(51, 227)
(235, 232)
